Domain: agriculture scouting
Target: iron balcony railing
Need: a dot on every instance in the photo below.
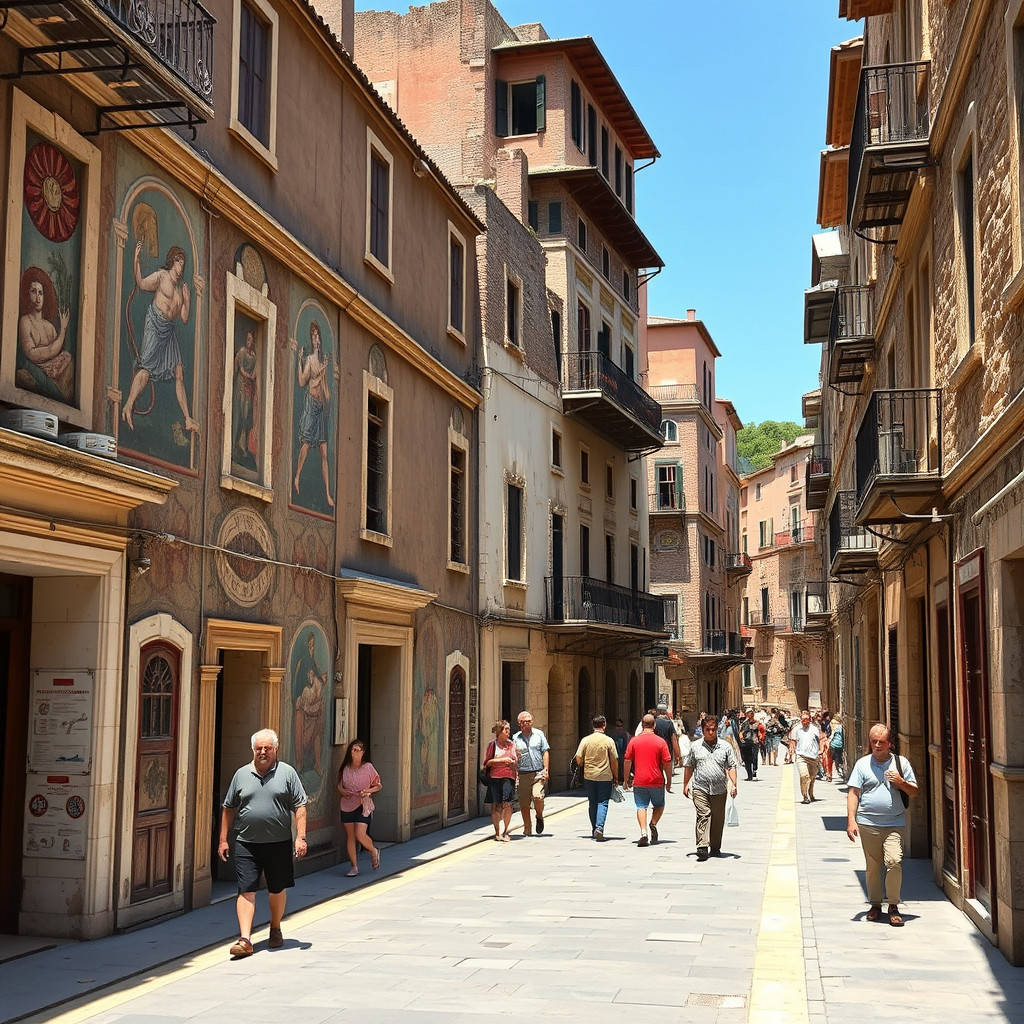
(587, 370)
(737, 562)
(816, 599)
(899, 436)
(665, 394)
(759, 617)
(843, 533)
(666, 497)
(718, 641)
(819, 463)
(179, 33)
(737, 645)
(853, 315)
(584, 599)
(799, 533)
(892, 109)
(790, 624)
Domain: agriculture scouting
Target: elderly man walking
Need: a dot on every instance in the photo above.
(879, 789)
(263, 797)
(807, 742)
(533, 752)
(711, 765)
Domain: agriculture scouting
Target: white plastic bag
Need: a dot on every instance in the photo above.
(617, 795)
(732, 815)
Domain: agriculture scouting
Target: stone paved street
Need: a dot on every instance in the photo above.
(560, 927)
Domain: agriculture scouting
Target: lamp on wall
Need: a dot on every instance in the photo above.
(138, 560)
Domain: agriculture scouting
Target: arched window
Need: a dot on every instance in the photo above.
(670, 430)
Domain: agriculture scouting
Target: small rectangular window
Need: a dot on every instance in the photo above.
(513, 298)
(634, 567)
(629, 362)
(457, 506)
(380, 208)
(584, 550)
(456, 282)
(604, 151)
(629, 188)
(533, 214)
(376, 464)
(581, 234)
(576, 114)
(514, 533)
(606, 263)
(618, 171)
(591, 135)
(253, 73)
(634, 489)
(966, 183)
(609, 558)
(609, 481)
(519, 107)
(556, 449)
(667, 482)
(554, 218)
(584, 467)
(556, 339)
(626, 290)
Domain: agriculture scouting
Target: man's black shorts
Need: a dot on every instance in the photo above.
(273, 859)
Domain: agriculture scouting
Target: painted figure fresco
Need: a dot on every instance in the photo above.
(245, 398)
(51, 252)
(428, 739)
(310, 664)
(312, 418)
(158, 322)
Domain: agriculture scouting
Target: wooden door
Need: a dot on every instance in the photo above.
(456, 743)
(156, 771)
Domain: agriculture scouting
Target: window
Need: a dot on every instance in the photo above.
(604, 339)
(618, 171)
(629, 362)
(378, 208)
(456, 282)
(609, 558)
(519, 107)
(609, 481)
(583, 328)
(757, 492)
(581, 234)
(556, 450)
(514, 533)
(576, 114)
(765, 534)
(254, 82)
(556, 339)
(584, 550)
(670, 430)
(628, 200)
(591, 135)
(513, 312)
(457, 506)
(626, 289)
(966, 217)
(634, 567)
(667, 481)
(554, 218)
(604, 151)
(376, 459)
(606, 263)
(533, 214)
(634, 491)
(584, 467)
(792, 474)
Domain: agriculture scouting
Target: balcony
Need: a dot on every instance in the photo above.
(725, 648)
(818, 476)
(816, 610)
(899, 455)
(851, 336)
(154, 57)
(891, 134)
(794, 625)
(818, 305)
(583, 601)
(759, 618)
(667, 499)
(851, 548)
(598, 392)
(854, 10)
(737, 564)
(798, 533)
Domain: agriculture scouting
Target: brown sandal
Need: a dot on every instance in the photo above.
(894, 917)
(873, 914)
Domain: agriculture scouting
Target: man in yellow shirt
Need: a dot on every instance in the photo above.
(598, 757)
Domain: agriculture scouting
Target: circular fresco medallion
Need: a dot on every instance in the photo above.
(51, 192)
(245, 576)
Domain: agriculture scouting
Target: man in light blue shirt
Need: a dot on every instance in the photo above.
(533, 752)
(875, 811)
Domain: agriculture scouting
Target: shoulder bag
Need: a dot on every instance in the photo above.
(483, 776)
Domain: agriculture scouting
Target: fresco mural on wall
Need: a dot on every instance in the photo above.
(159, 322)
(428, 716)
(246, 409)
(51, 255)
(310, 667)
(314, 383)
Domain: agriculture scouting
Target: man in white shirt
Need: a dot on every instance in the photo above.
(807, 743)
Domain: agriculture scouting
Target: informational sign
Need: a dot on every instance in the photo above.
(60, 741)
(814, 700)
(56, 811)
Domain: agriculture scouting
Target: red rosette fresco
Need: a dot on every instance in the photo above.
(52, 197)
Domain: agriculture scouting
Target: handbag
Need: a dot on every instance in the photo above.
(903, 796)
(483, 775)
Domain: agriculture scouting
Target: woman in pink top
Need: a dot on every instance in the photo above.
(502, 766)
(357, 781)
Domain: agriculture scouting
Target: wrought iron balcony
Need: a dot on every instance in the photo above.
(600, 393)
(719, 643)
(666, 499)
(899, 455)
(155, 56)
(758, 618)
(818, 476)
(794, 624)
(851, 548)
(851, 336)
(816, 601)
(737, 564)
(675, 394)
(799, 533)
(891, 135)
(582, 600)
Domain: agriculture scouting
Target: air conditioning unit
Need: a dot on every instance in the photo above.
(32, 421)
(94, 444)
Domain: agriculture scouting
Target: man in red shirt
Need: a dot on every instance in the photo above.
(651, 763)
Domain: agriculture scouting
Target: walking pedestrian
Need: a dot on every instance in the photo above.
(774, 731)
(879, 790)
(596, 755)
(748, 744)
(712, 767)
(806, 745)
(263, 796)
(836, 743)
(534, 771)
(500, 761)
(620, 738)
(650, 760)
(357, 782)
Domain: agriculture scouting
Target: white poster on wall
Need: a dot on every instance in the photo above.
(55, 816)
(60, 738)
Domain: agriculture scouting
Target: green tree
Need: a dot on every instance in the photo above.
(758, 442)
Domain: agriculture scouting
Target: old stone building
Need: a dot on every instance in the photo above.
(916, 299)
(542, 142)
(267, 331)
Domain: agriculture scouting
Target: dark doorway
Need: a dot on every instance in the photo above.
(584, 705)
(364, 695)
(456, 743)
(557, 566)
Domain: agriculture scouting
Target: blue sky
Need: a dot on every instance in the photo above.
(734, 96)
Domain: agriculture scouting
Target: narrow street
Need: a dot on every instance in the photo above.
(560, 927)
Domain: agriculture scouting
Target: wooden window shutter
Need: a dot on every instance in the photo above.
(541, 102)
(501, 108)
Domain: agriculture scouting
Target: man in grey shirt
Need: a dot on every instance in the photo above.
(711, 766)
(263, 795)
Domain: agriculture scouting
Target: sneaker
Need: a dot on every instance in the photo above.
(644, 841)
(702, 853)
(654, 833)
(243, 947)
(540, 823)
(276, 939)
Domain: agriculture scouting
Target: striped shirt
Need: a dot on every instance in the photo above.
(710, 765)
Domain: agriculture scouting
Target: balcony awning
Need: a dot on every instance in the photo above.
(603, 207)
(818, 303)
(833, 183)
(843, 83)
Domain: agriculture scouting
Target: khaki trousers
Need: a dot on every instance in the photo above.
(710, 819)
(808, 768)
(883, 847)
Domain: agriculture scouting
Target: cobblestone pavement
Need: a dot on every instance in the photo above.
(457, 928)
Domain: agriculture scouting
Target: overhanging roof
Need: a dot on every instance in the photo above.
(602, 206)
(832, 187)
(601, 83)
(843, 84)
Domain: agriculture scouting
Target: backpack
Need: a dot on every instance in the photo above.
(836, 742)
